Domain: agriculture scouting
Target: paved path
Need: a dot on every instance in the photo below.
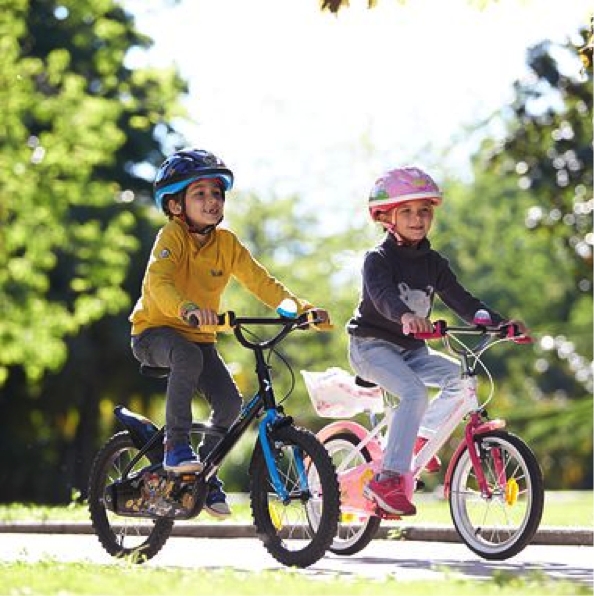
(406, 561)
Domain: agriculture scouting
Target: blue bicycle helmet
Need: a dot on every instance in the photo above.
(186, 166)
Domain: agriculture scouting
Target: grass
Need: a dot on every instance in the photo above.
(567, 509)
(50, 577)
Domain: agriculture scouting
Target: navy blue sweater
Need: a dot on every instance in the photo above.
(400, 279)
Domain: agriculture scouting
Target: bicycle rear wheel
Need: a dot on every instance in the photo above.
(355, 531)
(121, 536)
(500, 525)
(284, 527)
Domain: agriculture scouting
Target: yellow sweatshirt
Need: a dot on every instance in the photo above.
(180, 271)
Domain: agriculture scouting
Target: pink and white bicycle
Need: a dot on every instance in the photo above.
(493, 481)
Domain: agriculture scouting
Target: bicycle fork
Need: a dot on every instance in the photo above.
(270, 419)
(475, 428)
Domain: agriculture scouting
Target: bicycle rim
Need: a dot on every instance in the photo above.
(284, 527)
(500, 525)
(121, 536)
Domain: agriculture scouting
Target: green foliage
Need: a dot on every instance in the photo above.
(77, 124)
(71, 111)
(533, 256)
(312, 266)
(548, 153)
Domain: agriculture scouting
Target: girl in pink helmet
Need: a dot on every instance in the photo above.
(401, 277)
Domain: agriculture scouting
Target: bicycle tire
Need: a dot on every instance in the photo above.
(498, 527)
(285, 528)
(351, 537)
(140, 539)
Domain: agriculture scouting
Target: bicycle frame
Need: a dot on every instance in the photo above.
(264, 400)
(293, 489)
(373, 440)
(493, 481)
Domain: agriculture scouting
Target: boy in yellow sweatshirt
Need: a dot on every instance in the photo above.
(191, 263)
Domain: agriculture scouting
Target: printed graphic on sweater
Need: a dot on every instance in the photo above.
(419, 301)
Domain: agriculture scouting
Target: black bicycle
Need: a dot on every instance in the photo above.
(294, 493)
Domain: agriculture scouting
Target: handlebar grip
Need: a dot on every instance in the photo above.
(226, 321)
(439, 330)
(512, 331)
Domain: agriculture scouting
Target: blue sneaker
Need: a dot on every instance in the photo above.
(216, 500)
(181, 459)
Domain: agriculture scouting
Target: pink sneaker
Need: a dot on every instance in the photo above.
(390, 495)
(434, 464)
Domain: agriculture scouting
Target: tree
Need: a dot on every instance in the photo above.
(77, 124)
(547, 152)
(76, 121)
(335, 5)
(540, 175)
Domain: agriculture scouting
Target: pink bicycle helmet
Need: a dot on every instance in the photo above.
(401, 185)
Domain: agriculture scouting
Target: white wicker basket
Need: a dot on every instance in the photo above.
(334, 394)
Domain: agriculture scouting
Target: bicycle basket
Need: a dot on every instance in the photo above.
(334, 394)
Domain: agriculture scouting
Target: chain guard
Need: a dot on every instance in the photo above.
(157, 494)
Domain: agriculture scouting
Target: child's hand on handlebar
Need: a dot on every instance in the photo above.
(521, 327)
(518, 326)
(201, 317)
(516, 329)
(412, 323)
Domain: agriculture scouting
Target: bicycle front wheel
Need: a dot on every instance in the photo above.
(140, 539)
(499, 525)
(309, 478)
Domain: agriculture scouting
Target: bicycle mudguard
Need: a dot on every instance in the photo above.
(141, 429)
(485, 427)
(355, 428)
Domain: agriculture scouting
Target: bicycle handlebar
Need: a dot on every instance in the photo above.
(229, 321)
(506, 331)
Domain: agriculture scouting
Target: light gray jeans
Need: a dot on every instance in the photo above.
(195, 367)
(407, 374)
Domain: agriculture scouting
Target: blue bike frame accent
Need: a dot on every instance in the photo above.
(300, 469)
(270, 418)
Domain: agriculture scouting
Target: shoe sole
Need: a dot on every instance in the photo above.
(385, 507)
(184, 469)
(217, 514)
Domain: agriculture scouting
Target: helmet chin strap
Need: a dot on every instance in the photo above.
(205, 230)
(193, 229)
(390, 226)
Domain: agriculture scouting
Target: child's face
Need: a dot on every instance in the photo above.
(204, 202)
(412, 220)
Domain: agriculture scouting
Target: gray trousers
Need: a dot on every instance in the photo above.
(195, 367)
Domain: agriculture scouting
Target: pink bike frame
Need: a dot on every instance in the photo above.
(353, 480)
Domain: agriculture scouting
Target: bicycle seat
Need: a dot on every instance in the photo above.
(157, 372)
(363, 383)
